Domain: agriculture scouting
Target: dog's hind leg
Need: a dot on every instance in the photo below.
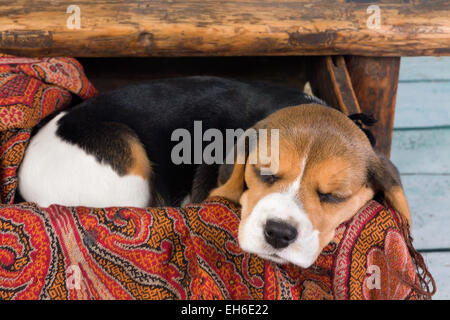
(85, 164)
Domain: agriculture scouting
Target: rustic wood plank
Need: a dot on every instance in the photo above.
(330, 81)
(423, 104)
(422, 151)
(375, 81)
(439, 265)
(424, 69)
(224, 28)
(429, 202)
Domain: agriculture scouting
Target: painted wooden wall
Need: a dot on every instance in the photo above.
(421, 151)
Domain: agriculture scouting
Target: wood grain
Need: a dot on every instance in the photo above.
(422, 151)
(428, 201)
(331, 82)
(425, 69)
(423, 104)
(375, 81)
(439, 265)
(421, 154)
(224, 28)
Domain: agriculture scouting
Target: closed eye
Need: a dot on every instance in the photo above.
(266, 178)
(330, 198)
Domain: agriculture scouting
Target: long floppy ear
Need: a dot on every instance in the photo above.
(233, 188)
(385, 178)
(231, 177)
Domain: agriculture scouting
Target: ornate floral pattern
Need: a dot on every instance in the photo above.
(30, 90)
(180, 253)
(394, 269)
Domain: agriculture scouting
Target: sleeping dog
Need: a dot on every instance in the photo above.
(115, 149)
(327, 171)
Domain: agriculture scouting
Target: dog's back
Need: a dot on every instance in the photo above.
(108, 150)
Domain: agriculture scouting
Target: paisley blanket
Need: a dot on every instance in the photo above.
(168, 253)
(190, 253)
(30, 90)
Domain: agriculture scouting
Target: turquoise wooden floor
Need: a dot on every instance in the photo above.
(421, 151)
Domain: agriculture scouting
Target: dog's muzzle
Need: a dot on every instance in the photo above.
(279, 234)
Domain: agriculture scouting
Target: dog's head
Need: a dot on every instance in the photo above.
(327, 170)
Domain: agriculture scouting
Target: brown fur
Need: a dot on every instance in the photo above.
(339, 160)
(140, 164)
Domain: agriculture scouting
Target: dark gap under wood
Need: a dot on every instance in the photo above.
(111, 73)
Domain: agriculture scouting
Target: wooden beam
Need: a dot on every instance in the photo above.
(331, 82)
(359, 85)
(224, 28)
(375, 83)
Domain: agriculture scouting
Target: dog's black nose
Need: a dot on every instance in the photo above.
(279, 234)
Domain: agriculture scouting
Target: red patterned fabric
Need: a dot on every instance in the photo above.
(166, 253)
(188, 253)
(30, 90)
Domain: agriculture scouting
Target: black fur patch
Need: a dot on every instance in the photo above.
(153, 110)
(225, 172)
(205, 179)
(382, 174)
(367, 120)
(108, 142)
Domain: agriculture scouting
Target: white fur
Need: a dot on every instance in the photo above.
(285, 207)
(54, 171)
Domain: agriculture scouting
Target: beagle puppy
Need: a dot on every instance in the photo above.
(116, 149)
(327, 171)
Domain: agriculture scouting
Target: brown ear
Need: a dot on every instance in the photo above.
(231, 177)
(233, 188)
(384, 177)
